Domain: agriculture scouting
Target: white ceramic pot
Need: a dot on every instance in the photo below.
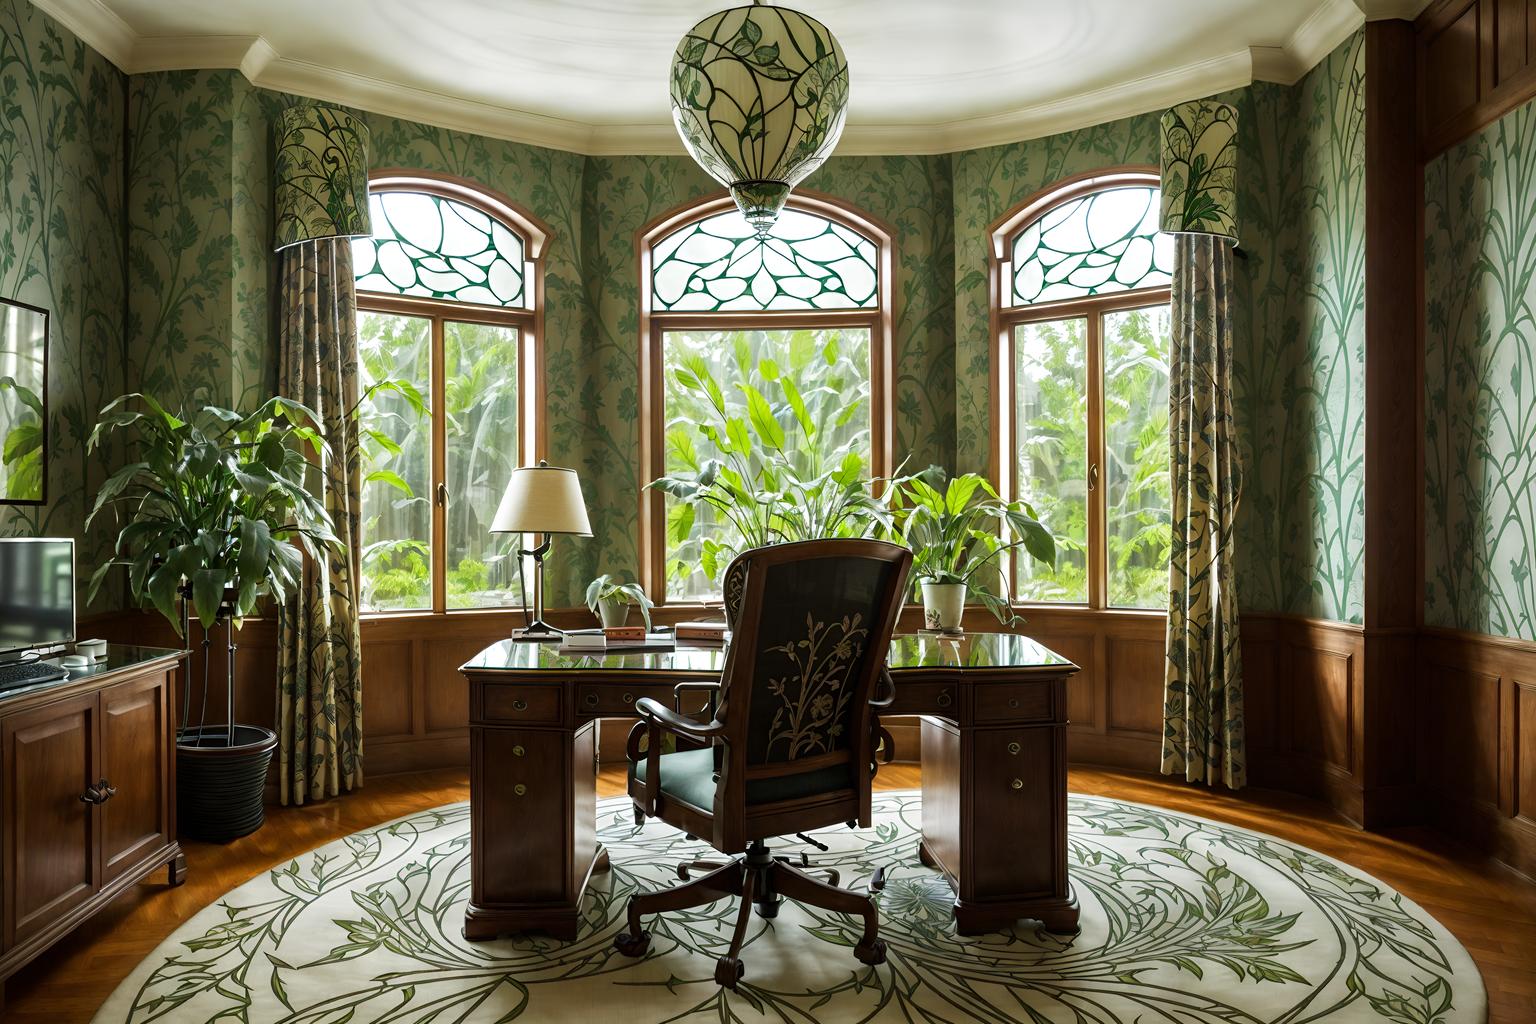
(943, 604)
(613, 612)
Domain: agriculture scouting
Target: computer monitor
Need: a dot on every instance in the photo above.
(37, 593)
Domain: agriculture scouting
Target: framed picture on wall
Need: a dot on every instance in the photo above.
(23, 403)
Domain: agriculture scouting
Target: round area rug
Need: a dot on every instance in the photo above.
(1182, 920)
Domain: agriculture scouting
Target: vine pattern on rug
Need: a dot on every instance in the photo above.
(1183, 919)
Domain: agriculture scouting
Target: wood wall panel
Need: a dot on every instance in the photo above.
(1474, 61)
(1322, 693)
(1135, 699)
(389, 706)
(1476, 749)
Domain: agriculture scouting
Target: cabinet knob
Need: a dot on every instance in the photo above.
(629, 698)
(518, 751)
(519, 705)
(99, 793)
(944, 700)
(521, 789)
(591, 700)
(1017, 783)
(1013, 702)
(1013, 748)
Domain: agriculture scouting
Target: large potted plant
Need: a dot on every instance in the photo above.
(953, 530)
(214, 516)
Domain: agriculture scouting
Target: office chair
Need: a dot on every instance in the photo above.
(792, 740)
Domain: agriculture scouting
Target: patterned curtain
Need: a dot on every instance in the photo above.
(319, 695)
(1203, 685)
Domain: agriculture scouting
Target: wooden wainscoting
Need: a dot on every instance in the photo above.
(1476, 60)
(1304, 694)
(1476, 742)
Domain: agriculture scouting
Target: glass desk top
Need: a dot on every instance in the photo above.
(908, 651)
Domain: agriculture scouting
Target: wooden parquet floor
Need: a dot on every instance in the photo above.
(1489, 908)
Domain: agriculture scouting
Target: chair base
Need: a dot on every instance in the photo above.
(761, 881)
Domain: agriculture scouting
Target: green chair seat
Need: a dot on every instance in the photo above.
(689, 776)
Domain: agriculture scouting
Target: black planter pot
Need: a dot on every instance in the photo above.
(219, 786)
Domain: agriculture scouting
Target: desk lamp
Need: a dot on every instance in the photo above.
(541, 499)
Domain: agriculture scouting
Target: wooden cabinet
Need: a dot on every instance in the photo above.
(87, 797)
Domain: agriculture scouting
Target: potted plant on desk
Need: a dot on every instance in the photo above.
(953, 531)
(215, 515)
(610, 598)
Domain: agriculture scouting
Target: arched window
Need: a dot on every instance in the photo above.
(801, 319)
(1081, 321)
(449, 293)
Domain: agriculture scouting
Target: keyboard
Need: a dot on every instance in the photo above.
(29, 673)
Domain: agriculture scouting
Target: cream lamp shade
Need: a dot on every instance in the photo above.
(321, 176)
(542, 499)
(1199, 165)
(759, 96)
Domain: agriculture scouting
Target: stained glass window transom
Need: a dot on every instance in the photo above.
(1095, 244)
(718, 264)
(440, 248)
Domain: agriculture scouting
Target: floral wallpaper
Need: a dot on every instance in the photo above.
(1480, 381)
(61, 240)
(1299, 380)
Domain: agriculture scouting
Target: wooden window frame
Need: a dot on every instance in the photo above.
(532, 437)
(1092, 310)
(878, 320)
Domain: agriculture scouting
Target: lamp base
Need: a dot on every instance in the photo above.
(540, 632)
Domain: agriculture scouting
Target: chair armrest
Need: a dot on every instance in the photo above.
(710, 688)
(660, 716)
(885, 691)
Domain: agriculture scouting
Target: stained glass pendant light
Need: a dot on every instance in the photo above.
(759, 95)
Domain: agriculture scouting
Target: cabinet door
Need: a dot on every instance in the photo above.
(522, 822)
(50, 863)
(135, 761)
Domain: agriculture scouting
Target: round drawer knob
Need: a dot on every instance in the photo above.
(519, 705)
(1013, 748)
(944, 700)
(521, 789)
(1017, 783)
(1013, 702)
(518, 751)
(591, 700)
(629, 698)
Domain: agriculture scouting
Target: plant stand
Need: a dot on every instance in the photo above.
(221, 770)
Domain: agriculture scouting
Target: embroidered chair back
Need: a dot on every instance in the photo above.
(811, 629)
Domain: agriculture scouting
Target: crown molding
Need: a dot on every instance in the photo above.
(1329, 24)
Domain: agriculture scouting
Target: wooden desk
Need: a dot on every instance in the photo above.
(994, 773)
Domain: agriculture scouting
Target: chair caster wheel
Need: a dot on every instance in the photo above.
(873, 954)
(639, 817)
(682, 872)
(632, 945)
(728, 972)
(768, 909)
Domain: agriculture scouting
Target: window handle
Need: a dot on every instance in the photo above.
(442, 495)
(1093, 477)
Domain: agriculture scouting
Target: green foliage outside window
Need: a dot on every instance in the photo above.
(480, 411)
(767, 440)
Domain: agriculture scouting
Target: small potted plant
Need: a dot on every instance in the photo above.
(610, 598)
(953, 530)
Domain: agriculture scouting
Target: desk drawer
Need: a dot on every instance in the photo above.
(1012, 702)
(620, 698)
(510, 703)
(940, 699)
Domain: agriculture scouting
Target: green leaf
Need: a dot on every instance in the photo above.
(761, 415)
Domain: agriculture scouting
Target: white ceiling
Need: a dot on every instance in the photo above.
(591, 75)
